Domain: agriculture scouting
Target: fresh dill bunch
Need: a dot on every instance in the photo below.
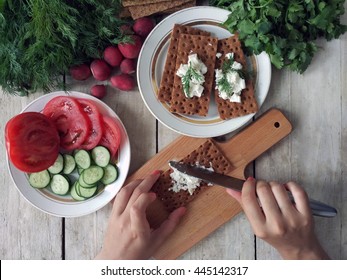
(42, 39)
(188, 76)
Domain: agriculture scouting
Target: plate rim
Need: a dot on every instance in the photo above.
(217, 15)
(103, 198)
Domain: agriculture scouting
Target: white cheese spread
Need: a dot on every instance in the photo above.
(182, 181)
(229, 83)
(192, 76)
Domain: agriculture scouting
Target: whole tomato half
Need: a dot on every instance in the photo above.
(73, 125)
(32, 141)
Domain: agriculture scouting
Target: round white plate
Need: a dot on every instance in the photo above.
(151, 66)
(65, 206)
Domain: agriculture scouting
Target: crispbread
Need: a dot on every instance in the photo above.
(205, 47)
(167, 80)
(189, 4)
(248, 105)
(139, 11)
(127, 3)
(208, 154)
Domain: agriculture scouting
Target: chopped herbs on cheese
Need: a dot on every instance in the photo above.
(230, 79)
(192, 76)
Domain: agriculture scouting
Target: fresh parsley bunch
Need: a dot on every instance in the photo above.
(41, 39)
(285, 29)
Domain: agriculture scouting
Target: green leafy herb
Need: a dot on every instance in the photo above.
(41, 39)
(285, 29)
(188, 76)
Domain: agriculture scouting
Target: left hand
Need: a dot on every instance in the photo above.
(129, 235)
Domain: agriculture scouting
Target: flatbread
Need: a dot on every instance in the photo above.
(206, 155)
(127, 3)
(189, 4)
(139, 11)
(248, 105)
(206, 48)
(167, 80)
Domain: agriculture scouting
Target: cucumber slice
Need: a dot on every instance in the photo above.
(57, 166)
(60, 184)
(82, 159)
(101, 156)
(87, 192)
(92, 175)
(74, 194)
(110, 175)
(69, 164)
(40, 179)
(84, 184)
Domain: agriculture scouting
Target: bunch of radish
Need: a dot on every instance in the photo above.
(120, 59)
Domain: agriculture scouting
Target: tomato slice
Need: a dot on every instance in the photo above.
(111, 137)
(32, 141)
(95, 131)
(73, 125)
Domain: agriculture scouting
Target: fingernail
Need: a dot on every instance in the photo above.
(251, 179)
(156, 172)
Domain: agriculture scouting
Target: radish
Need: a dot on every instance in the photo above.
(128, 66)
(98, 91)
(113, 56)
(80, 72)
(123, 82)
(100, 69)
(131, 50)
(143, 26)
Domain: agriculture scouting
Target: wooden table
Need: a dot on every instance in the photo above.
(314, 155)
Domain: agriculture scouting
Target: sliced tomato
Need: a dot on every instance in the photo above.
(112, 136)
(73, 125)
(95, 131)
(32, 141)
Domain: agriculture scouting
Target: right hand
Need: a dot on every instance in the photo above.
(288, 227)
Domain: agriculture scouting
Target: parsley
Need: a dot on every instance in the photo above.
(188, 76)
(41, 39)
(285, 29)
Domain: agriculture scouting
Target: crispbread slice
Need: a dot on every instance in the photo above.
(167, 80)
(127, 3)
(208, 154)
(248, 105)
(139, 11)
(206, 48)
(189, 4)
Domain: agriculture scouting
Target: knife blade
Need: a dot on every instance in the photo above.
(318, 208)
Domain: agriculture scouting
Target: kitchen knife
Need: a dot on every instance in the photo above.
(318, 208)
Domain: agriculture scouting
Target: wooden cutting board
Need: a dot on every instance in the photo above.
(212, 207)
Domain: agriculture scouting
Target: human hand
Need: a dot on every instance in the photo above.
(288, 227)
(129, 235)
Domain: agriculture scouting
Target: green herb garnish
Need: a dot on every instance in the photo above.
(285, 29)
(41, 39)
(188, 76)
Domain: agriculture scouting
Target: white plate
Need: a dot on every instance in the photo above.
(65, 206)
(151, 65)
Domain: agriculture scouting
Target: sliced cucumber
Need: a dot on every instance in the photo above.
(69, 164)
(110, 174)
(82, 159)
(84, 184)
(79, 170)
(101, 156)
(92, 175)
(40, 179)
(60, 184)
(74, 194)
(57, 166)
(87, 192)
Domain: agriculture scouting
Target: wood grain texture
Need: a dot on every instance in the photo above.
(212, 208)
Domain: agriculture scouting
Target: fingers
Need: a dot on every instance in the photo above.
(300, 198)
(168, 226)
(282, 198)
(122, 198)
(250, 203)
(138, 216)
(234, 194)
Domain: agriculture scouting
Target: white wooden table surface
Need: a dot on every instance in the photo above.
(314, 155)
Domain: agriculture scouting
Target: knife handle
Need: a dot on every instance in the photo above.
(318, 208)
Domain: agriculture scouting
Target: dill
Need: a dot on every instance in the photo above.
(190, 75)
